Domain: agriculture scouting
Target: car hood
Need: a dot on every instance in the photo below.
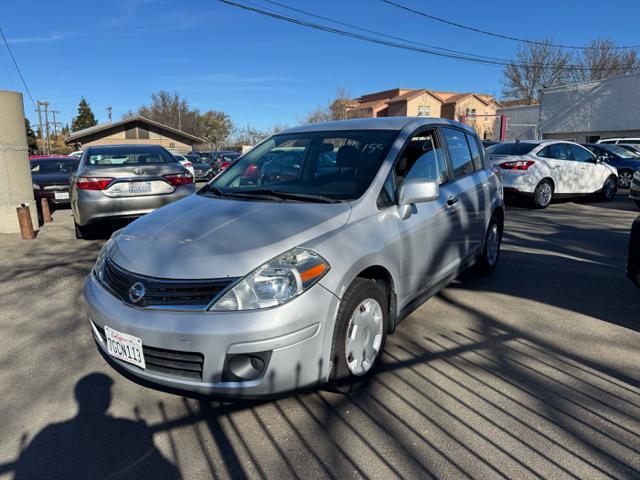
(203, 237)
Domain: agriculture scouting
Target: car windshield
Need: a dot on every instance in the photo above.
(312, 166)
(621, 152)
(517, 148)
(127, 156)
(48, 167)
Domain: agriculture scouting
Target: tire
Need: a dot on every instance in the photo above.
(357, 318)
(609, 188)
(543, 194)
(624, 178)
(491, 251)
(83, 232)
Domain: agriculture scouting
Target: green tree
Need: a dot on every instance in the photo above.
(170, 108)
(85, 117)
(32, 140)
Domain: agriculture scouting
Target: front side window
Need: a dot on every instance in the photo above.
(461, 160)
(580, 154)
(424, 158)
(322, 166)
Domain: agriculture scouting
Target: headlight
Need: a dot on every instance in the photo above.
(35, 186)
(98, 268)
(276, 282)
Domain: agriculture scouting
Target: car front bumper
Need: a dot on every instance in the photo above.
(297, 334)
(91, 206)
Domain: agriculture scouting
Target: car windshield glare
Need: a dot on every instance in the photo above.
(336, 165)
(517, 148)
(110, 157)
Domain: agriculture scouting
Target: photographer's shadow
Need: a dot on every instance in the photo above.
(94, 444)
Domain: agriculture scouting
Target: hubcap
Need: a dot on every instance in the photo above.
(624, 180)
(364, 337)
(493, 244)
(544, 194)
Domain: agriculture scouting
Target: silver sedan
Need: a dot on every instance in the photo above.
(125, 181)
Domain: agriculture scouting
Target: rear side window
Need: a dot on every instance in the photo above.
(461, 160)
(475, 152)
(556, 151)
(128, 156)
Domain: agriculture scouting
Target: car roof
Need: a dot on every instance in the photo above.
(379, 123)
(127, 146)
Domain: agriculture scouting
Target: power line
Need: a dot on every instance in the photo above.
(469, 57)
(17, 67)
(384, 35)
(493, 34)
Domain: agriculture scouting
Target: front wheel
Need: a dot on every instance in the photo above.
(543, 194)
(359, 333)
(624, 178)
(609, 188)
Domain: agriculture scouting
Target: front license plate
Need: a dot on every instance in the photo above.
(140, 187)
(124, 347)
(61, 195)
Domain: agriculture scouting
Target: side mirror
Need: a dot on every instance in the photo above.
(414, 191)
(600, 159)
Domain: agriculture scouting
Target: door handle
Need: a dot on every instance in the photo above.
(452, 200)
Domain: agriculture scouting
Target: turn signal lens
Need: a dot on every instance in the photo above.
(177, 179)
(93, 183)
(517, 165)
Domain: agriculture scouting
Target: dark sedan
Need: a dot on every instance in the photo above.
(624, 160)
(202, 171)
(50, 178)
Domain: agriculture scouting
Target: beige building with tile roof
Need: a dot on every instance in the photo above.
(475, 108)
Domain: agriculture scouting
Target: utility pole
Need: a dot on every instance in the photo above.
(46, 125)
(55, 124)
(44, 148)
(109, 113)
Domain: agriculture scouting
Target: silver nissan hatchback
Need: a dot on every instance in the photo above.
(290, 268)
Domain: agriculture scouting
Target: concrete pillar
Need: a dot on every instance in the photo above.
(15, 173)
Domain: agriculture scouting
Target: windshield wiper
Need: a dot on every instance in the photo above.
(262, 195)
(302, 197)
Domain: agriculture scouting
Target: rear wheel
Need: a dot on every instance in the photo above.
(624, 178)
(543, 194)
(491, 251)
(359, 334)
(609, 188)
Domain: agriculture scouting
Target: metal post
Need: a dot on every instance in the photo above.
(44, 148)
(46, 126)
(26, 225)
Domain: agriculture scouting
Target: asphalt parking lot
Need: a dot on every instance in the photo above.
(533, 372)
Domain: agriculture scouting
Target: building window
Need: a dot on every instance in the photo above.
(471, 111)
(172, 145)
(424, 110)
(143, 132)
(486, 113)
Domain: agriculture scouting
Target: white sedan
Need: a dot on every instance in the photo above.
(548, 169)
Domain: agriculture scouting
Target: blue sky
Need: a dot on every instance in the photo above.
(262, 71)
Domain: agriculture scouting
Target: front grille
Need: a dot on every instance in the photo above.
(193, 294)
(171, 362)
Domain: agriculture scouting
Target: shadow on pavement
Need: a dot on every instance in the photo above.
(94, 444)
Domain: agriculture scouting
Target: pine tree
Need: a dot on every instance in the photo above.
(85, 117)
(32, 141)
